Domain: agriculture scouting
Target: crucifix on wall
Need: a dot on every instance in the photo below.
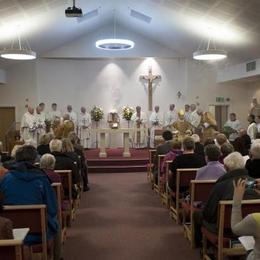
(150, 78)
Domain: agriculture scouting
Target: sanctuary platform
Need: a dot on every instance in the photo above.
(115, 162)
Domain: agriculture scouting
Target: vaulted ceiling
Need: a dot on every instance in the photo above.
(177, 24)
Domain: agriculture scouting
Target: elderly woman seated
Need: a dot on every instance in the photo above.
(47, 164)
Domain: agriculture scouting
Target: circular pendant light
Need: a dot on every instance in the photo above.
(115, 44)
(208, 55)
(18, 54)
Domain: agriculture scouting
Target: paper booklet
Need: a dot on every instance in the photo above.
(248, 242)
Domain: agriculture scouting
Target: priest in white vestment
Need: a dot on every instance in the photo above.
(28, 127)
(72, 115)
(84, 125)
(171, 116)
(54, 113)
(156, 122)
(234, 124)
(187, 113)
(40, 123)
(139, 120)
(195, 118)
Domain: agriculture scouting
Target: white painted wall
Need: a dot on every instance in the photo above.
(112, 83)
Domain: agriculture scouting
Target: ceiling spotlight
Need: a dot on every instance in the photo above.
(73, 11)
(114, 44)
(209, 54)
(21, 52)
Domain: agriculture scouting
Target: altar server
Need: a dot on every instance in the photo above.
(156, 122)
(171, 116)
(84, 125)
(28, 127)
(72, 114)
(139, 120)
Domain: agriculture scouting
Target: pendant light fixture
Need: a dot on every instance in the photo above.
(211, 53)
(18, 51)
(113, 44)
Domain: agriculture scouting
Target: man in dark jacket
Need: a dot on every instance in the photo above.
(222, 190)
(26, 184)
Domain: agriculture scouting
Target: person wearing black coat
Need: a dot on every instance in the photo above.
(253, 164)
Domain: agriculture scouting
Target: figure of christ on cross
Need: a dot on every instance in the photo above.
(150, 78)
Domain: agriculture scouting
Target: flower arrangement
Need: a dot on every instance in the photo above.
(127, 112)
(96, 113)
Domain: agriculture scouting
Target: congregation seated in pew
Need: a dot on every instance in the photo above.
(44, 142)
(64, 162)
(214, 169)
(253, 163)
(25, 184)
(187, 160)
(222, 190)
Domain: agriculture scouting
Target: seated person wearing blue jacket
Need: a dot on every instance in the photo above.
(25, 184)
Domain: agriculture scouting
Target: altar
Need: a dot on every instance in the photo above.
(125, 134)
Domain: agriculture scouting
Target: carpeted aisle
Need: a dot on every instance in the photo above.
(122, 219)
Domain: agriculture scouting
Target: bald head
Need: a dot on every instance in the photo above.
(30, 110)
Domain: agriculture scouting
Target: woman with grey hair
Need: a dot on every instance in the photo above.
(47, 164)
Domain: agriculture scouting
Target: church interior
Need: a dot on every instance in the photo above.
(129, 130)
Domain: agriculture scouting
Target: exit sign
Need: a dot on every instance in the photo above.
(220, 99)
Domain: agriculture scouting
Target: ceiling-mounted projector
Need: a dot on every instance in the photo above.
(73, 11)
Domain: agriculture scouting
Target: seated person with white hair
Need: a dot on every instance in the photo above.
(63, 162)
(253, 164)
(222, 190)
(47, 164)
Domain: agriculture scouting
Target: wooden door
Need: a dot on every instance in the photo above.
(221, 114)
(7, 120)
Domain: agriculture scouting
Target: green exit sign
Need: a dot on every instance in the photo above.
(220, 99)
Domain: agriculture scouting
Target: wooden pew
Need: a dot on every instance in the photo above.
(183, 178)
(152, 153)
(66, 180)
(58, 191)
(13, 249)
(165, 195)
(32, 217)
(221, 241)
(199, 191)
(157, 186)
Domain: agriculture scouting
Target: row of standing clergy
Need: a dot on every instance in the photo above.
(38, 118)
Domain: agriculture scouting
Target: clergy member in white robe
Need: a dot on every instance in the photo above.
(139, 120)
(54, 113)
(156, 122)
(234, 124)
(252, 128)
(195, 117)
(28, 127)
(40, 123)
(72, 115)
(187, 113)
(84, 125)
(171, 116)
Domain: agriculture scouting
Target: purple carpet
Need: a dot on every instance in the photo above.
(122, 219)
